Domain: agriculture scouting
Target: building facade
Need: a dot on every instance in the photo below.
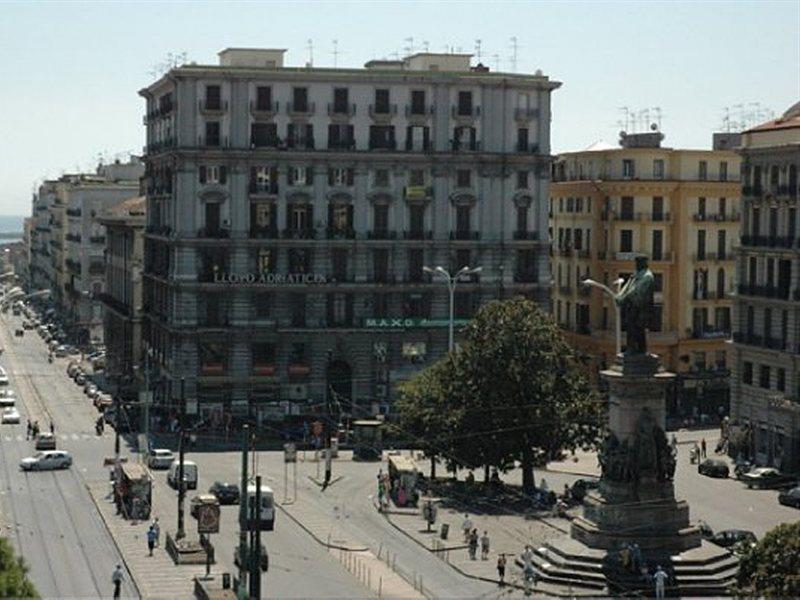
(681, 209)
(766, 374)
(291, 213)
(122, 298)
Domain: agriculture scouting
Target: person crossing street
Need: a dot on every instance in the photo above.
(117, 578)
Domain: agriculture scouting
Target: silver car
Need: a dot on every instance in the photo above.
(47, 460)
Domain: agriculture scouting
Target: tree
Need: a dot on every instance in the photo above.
(14, 582)
(772, 568)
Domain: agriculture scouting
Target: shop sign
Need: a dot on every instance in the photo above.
(208, 518)
(269, 278)
(410, 323)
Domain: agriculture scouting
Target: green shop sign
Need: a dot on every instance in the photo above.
(416, 323)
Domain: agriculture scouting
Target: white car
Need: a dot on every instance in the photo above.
(7, 398)
(160, 458)
(3, 377)
(47, 460)
(10, 416)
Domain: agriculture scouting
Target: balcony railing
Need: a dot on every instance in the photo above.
(465, 235)
(300, 109)
(458, 146)
(266, 189)
(382, 234)
(348, 144)
(73, 212)
(341, 109)
(710, 333)
(526, 235)
(213, 233)
(418, 234)
(418, 192)
(764, 291)
(383, 144)
(718, 217)
(525, 114)
(264, 108)
(334, 233)
(300, 143)
(766, 241)
(97, 239)
(73, 237)
(527, 148)
(212, 107)
(383, 110)
(419, 111)
(711, 256)
(220, 141)
(465, 111)
(263, 233)
(299, 234)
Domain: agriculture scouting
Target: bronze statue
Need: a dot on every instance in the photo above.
(636, 302)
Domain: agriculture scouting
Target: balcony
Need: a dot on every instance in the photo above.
(265, 141)
(765, 241)
(383, 144)
(300, 143)
(263, 233)
(718, 217)
(459, 146)
(465, 112)
(711, 257)
(418, 234)
(299, 234)
(218, 141)
(526, 235)
(212, 107)
(417, 192)
(419, 111)
(382, 111)
(465, 235)
(710, 333)
(263, 109)
(663, 257)
(764, 291)
(263, 189)
(344, 110)
(160, 145)
(334, 233)
(383, 278)
(302, 108)
(382, 234)
(348, 144)
(527, 148)
(418, 145)
(73, 237)
(215, 233)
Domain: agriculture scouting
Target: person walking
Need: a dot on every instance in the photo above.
(660, 580)
(28, 432)
(156, 527)
(151, 539)
(501, 569)
(473, 544)
(703, 447)
(52, 426)
(117, 578)
(466, 527)
(485, 546)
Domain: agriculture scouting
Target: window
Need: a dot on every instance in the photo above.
(628, 168)
(298, 304)
(415, 264)
(212, 357)
(300, 176)
(380, 265)
(522, 139)
(780, 384)
(263, 354)
(720, 283)
(658, 208)
(263, 303)
(416, 213)
(266, 258)
(701, 244)
(340, 101)
(342, 177)
(300, 99)
(723, 171)
(297, 353)
(464, 138)
(212, 133)
(722, 318)
(382, 101)
(264, 180)
(463, 178)
(626, 208)
(656, 317)
(263, 135)
(416, 177)
(340, 217)
(213, 97)
(658, 282)
(522, 218)
(463, 220)
(418, 138)
(747, 373)
(299, 261)
(341, 136)
(721, 244)
(701, 208)
(380, 178)
(464, 305)
(764, 376)
(340, 310)
(213, 174)
(212, 213)
(380, 305)
(465, 103)
(380, 216)
(722, 207)
(626, 240)
(720, 359)
(417, 102)
(702, 170)
(416, 306)
(382, 137)
(264, 98)
(658, 169)
(658, 244)
(300, 135)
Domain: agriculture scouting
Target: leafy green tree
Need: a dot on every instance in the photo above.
(14, 582)
(772, 568)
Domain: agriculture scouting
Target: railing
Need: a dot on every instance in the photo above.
(272, 141)
(212, 107)
(383, 144)
(300, 143)
(457, 145)
(341, 109)
(213, 233)
(301, 109)
(381, 234)
(418, 234)
(213, 142)
(711, 256)
(334, 233)
(73, 212)
(526, 235)
(264, 233)
(266, 189)
(299, 234)
(764, 291)
(342, 144)
(465, 111)
(768, 241)
(525, 114)
(710, 333)
(418, 192)
(417, 277)
(73, 237)
(419, 111)
(383, 110)
(264, 107)
(418, 145)
(719, 217)
(97, 268)
(465, 235)
(527, 148)
(158, 230)
(383, 278)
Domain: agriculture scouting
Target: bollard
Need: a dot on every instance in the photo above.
(380, 586)
(369, 579)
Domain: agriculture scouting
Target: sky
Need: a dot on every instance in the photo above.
(70, 71)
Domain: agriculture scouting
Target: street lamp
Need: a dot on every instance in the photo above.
(451, 281)
(617, 318)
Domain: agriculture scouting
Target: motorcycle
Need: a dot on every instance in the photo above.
(742, 468)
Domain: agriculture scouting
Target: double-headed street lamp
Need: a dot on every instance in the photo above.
(614, 297)
(451, 281)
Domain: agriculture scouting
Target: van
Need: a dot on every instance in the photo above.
(266, 516)
(189, 474)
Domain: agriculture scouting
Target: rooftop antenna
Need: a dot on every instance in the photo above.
(644, 118)
(627, 112)
(425, 46)
(514, 48)
(335, 53)
(409, 47)
(310, 48)
(496, 59)
(657, 118)
(478, 49)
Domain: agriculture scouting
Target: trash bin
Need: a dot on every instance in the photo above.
(226, 581)
(444, 531)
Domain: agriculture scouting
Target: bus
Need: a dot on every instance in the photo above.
(266, 518)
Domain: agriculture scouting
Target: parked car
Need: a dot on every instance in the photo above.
(60, 351)
(90, 389)
(734, 538)
(3, 377)
(19, 332)
(47, 460)
(80, 378)
(10, 416)
(790, 497)
(264, 558)
(767, 478)
(713, 467)
(226, 493)
(189, 474)
(7, 398)
(103, 401)
(45, 441)
(160, 458)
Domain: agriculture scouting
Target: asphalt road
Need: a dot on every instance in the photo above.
(49, 516)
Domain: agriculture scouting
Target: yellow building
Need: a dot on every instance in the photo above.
(681, 209)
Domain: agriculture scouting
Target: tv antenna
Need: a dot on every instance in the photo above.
(409, 47)
(657, 116)
(310, 48)
(425, 46)
(496, 59)
(514, 48)
(335, 53)
(626, 111)
(478, 49)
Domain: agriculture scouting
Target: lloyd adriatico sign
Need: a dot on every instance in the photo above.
(410, 323)
(268, 278)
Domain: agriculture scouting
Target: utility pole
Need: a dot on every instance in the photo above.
(243, 513)
(117, 415)
(181, 453)
(255, 561)
(326, 482)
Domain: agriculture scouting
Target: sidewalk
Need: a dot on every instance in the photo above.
(156, 576)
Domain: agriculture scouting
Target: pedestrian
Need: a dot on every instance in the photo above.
(473, 544)
(703, 447)
(501, 569)
(659, 579)
(52, 427)
(485, 546)
(156, 527)
(466, 527)
(28, 431)
(117, 578)
(674, 443)
(151, 539)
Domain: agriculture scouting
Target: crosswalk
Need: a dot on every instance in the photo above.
(64, 437)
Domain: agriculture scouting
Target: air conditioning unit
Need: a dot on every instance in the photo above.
(296, 391)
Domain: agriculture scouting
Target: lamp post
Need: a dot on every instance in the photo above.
(451, 281)
(614, 295)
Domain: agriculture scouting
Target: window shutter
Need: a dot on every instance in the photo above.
(223, 174)
(391, 134)
(202, 174)
(472, 137)
(350, 215)
(309, 135)
(310, 216)
(426, 138)
(290, 176)
(273, 175)
(350, 176)
(290, 135)
(252, 178)
(330, 215)
(333, 135)
(289, 213)
(309, 175)
(351, 136)
(409, 141)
